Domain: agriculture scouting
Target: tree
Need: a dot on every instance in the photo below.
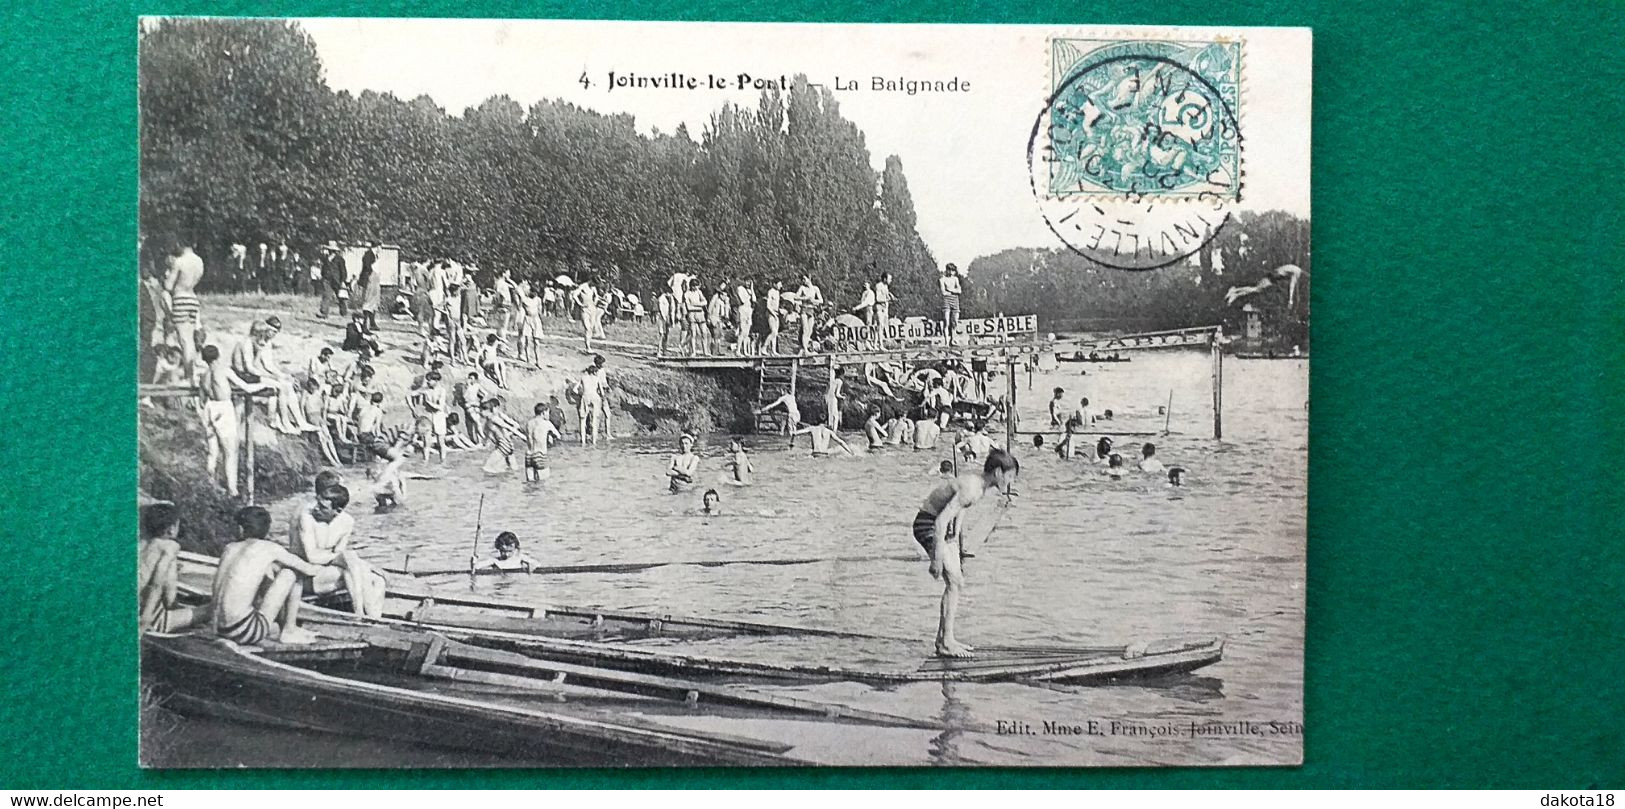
(243, 141)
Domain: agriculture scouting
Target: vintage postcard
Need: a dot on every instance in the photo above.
(566, 393)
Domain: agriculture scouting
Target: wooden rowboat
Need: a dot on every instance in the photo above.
(415, 603)
(286, 686)
(1102, 665)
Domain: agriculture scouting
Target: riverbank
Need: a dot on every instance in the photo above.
(645, 400)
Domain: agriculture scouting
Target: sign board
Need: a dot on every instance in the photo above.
(388, 265)
(989, 351)
(921, 329)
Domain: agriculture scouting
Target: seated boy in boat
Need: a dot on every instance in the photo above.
(320, 533)
(936, 528)
(157, 575)
(246, 608)
(508, 556)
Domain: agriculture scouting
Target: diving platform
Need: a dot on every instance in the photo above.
(780, 374)
(1001, 352)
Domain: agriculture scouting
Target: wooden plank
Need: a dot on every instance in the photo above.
(460, 655)
(1093, 432)
(638, 567)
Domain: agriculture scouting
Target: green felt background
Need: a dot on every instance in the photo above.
(1466, 606)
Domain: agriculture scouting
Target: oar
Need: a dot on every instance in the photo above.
(637, 567)
(474, 552)
(1168, 412)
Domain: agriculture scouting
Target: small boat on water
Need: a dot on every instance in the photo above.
(1075, 666)
(291, 686)
(1079, 356)
(535, 637)
(419, 604)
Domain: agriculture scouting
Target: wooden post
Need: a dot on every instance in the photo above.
(1218, 384)
(1010, 407)
(248, 447)
(795, 368)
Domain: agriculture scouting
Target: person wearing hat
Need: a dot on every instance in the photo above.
(334, 275)
(951, 290)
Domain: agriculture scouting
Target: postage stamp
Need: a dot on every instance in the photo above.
(1131, 129)
(1153, 119)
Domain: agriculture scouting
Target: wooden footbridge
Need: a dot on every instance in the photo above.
(778, 374)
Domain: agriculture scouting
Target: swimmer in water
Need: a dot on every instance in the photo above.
(945, 470)
(936, 528)
(684, 464)
(1176, 476)
(1067, 449)
(711, 503)
(1114, 467)
(902, 430)
(872, 429)
(792, 415)
(1038, 442)
(1083, 414)
(976, 444)
(1103, 450)
(926, 431)
(507, 556)
(1148, 460)
(739, 465)
(1055, 406)
(822, 435)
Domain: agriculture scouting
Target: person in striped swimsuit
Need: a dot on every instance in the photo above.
(180, 285)
(936, 528)
(499, 428)
(951, 290)
(241, 615)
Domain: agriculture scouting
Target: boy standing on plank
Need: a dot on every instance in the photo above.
(936, 528)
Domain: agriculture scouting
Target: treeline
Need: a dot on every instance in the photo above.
(243, 142)
(1069, 292)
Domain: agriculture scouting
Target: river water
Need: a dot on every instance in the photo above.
(1079, 559)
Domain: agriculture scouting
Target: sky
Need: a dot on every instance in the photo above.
(964, 153)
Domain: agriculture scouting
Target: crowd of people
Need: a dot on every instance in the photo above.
(696, 317)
